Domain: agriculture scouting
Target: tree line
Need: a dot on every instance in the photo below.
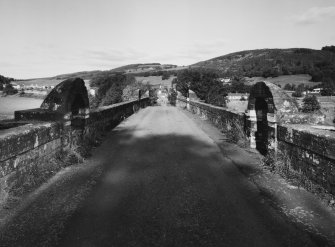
(115, 88)
(207, 85)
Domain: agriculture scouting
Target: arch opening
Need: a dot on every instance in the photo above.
(261, 135)
(77, 104)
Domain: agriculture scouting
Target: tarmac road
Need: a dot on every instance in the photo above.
(164, 183)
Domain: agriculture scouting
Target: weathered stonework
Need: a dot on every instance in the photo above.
(231, 123)
(308, 152)
(39, 135)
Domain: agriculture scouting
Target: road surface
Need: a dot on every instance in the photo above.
(164, 182)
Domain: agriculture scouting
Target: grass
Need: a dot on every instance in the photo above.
(327, 108)
(284, 79)
(237, 105)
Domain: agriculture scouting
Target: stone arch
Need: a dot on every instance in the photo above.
(68, 97)
(67, 102)
(267, 106)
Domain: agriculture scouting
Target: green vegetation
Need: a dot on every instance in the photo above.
(310, 104)
(330, 48)
(172, 97)
(5, 81)
(147, 69)
(134, 90)
(320, 64)
(204, 83)
(299, 90)
(111, 88)
(207, 85)
(328, 86)
(9, 90)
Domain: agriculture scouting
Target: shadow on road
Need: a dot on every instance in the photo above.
(155, 190)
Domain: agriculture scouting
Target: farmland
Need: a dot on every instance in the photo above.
(284, 79)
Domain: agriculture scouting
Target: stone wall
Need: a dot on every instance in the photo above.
(307, 151)
(310, 152)
(233, 124)
(26, 149)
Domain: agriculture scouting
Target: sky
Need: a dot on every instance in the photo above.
(42, 38)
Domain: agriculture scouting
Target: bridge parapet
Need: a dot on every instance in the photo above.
(300, 150)
(230, 122)
(41, 135)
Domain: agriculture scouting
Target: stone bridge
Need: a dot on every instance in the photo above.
(161, 177)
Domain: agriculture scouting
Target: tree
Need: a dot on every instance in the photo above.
(5, 80)
(328, 87)
(330, 48)
(298, 92)
(9, 90)
(238, 86)
(110, 88)
(165, 76)
(310, 104)
(317, 75)
(112, 96)
(288, 87)
(204, 83)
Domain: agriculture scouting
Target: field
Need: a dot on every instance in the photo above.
(39, 82)
(9, 104)
(237, 105)
(327, 104)
(155, 80)
(284, 79)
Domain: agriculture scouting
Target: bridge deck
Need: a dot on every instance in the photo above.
(164, 183)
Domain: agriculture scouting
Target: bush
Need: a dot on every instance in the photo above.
(172, 97)
(9, 90)
(165, 76)
(110, 88)
(297, 94)
(311, 104)
(289, 87)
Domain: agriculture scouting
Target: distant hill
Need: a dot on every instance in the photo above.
(320, 64)
(131, 68)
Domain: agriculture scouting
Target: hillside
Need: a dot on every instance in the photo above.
(131, 68)
(320, 64)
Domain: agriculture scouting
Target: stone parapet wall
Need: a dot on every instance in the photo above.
(306, 151)
(233, 124)
(25, 149)
(310, 153)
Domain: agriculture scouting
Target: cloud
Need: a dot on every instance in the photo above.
(205, 50)
(113, 55)
(187, 54)
(314, 15)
